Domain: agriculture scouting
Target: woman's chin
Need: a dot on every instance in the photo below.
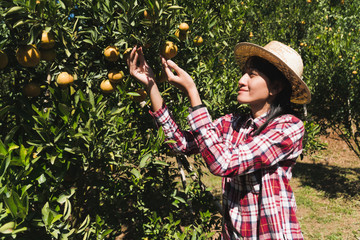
(241, 100)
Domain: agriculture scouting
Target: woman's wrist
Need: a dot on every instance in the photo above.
(194, 97)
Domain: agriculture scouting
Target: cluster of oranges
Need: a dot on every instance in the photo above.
(30, 56)
(169, 49)
(116, 76)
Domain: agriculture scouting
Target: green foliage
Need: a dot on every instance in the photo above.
(312, 142)
(77, 163)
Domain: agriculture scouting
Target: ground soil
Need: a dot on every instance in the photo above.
(330, 182)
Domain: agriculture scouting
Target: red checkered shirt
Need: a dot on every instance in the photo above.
(256, 169)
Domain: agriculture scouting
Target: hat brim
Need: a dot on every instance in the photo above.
(300, 92)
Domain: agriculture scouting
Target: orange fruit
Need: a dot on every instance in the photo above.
(47, 40)
(106, 86)
(115, 76)
(4, 60)
(64, 79)
(111, 53)
(183, 27)
(180, 35)
(169, 50)
(28, 55)
(147, 15)
(142, 94)
(48, 54)
(126, 53)
(198, 41)
(32, 90)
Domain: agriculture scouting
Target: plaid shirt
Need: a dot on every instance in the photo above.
(256, 169)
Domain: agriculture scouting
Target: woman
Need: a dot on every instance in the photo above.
(254, 154)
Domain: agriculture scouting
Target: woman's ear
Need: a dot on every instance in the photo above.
(276, 88)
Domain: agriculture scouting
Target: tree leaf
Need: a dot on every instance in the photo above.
(15, 9)
(7, 228)
(144, 160)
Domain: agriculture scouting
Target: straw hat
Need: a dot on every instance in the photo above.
(286, 59)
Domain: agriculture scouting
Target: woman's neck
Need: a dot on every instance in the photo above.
(258, 110)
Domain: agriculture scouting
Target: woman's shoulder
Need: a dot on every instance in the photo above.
(288, 124)
(289, 118)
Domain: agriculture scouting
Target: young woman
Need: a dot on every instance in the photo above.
(254, 154)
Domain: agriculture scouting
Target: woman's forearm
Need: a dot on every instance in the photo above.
(155, 96)
(194, 97)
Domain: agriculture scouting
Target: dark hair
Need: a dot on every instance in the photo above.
(281, 104)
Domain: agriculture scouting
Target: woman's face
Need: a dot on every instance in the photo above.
(255, 90)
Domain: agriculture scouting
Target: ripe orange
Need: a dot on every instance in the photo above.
(111, 53)
(142, 94)
(169, 50)
(48, 54)
(115, 75)
(180, 35)
(64, 79)
(28, 55)
(126, 53)
(183, 27)
(4, 60)
(32, 90)
(147, 15)
(47, 40)
(106, 86)
(198, 41)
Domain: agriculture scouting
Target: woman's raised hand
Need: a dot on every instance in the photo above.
(139, 68)
(181, 80)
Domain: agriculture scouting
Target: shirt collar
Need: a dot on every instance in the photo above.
(260, 120)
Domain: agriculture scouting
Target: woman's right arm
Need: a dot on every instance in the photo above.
(184, 140)
(139, 68)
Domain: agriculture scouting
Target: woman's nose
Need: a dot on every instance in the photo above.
(243, 79)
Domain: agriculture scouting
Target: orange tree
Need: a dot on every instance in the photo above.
(79, 160)
(80, 155)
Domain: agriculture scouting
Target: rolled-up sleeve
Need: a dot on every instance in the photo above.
(184, 141)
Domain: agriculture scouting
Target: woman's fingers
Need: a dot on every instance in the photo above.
(132, 54)
(170, 75)
(174, 66)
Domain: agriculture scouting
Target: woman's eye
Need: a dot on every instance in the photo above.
(252, 74)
